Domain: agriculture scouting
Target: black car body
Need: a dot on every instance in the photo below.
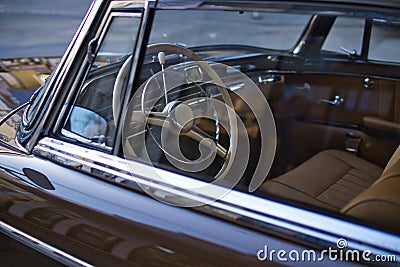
(91, 175)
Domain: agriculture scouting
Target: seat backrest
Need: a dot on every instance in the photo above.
(380, 203)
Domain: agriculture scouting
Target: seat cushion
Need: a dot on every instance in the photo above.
(330, 179)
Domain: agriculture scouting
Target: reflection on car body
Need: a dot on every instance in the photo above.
(201, 133)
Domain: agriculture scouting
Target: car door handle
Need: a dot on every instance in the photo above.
(336, 101)
(369, 83)
(271, 78)
(38, 178)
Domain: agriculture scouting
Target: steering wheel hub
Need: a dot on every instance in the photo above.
(181, 115)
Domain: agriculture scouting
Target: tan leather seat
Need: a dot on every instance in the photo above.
(343, 182)
(380, 203)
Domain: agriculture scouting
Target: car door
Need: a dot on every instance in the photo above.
(77, 198)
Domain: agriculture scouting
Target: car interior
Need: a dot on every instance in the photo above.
(337, 115)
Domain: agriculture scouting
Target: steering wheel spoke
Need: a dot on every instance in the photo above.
(199, 135)
(195, 133)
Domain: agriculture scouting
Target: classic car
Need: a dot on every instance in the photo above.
(212, 133)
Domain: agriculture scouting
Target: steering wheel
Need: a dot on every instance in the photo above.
(178, 113)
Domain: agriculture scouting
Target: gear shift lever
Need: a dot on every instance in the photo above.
(161, 59)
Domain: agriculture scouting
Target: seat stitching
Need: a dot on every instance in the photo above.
(326, 188)
(303, 193)
(353, 182)
(342, 198)
(361, 177)
(340, 177)
(352, 166)
(333, 156)
(343, 193)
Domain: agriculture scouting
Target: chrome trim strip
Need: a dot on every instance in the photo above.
(234, 205)
(19, 146)
(41, 246)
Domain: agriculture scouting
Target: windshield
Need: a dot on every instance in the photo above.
(207, 27)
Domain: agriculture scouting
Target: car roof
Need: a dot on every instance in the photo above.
(364, 3)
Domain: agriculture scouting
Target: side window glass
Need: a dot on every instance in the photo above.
(92, 118)
(385, 41)
(346, 35)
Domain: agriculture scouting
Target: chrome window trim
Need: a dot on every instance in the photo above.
(41, 247)
(293, 222)
(100, 35)
(113, 14)
(61, 71)
(60, 68)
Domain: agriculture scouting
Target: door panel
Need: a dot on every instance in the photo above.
(310, 138)
(323, 111)
(318, 92)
